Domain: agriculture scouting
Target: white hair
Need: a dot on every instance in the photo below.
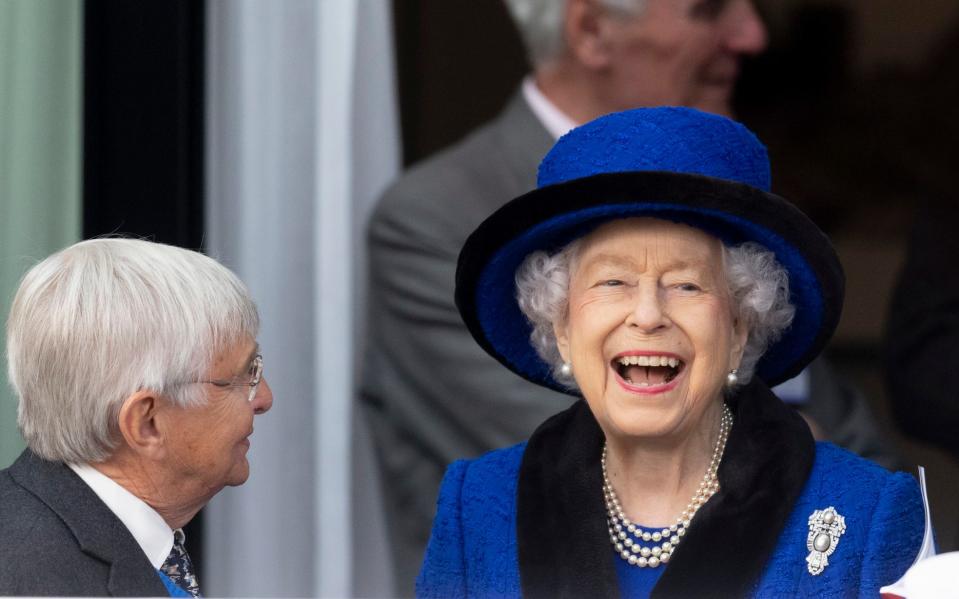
(104, 318)
(540, 24)
(758, 289)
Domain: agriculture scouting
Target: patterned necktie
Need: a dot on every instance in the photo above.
(178, 566)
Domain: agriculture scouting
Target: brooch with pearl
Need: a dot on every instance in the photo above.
(825, 528)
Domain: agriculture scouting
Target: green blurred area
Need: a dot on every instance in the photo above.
(40, 152)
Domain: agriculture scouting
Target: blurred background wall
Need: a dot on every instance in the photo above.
(262, 132)
(218, 126)
(40, 123)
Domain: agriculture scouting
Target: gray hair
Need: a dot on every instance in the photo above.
(758, 288)
(104, 318)
(540, 24)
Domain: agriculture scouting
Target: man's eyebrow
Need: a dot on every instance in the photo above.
(251, 356)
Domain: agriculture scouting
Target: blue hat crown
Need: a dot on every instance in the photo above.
(676, 164)
(675, 139)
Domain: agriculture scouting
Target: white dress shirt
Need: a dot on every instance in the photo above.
(148, 527)
(552, 118)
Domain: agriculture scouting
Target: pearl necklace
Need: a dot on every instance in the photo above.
(629, 539)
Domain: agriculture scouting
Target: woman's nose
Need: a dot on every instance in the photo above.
(648, 313)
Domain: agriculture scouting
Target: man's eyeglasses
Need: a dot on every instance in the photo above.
(253, 378)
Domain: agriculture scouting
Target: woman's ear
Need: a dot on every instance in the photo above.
(561, 332)
(738, 347)
(138, 424)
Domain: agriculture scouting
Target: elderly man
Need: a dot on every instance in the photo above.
(138, 377)
(430, 394)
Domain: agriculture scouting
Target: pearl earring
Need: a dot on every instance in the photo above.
(732, 378)
(566, 369)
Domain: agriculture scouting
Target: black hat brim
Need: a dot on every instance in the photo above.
(550, 217)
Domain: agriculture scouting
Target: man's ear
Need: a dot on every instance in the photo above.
(139, 426)
(586, 32)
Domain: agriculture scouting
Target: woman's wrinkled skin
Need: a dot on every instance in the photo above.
(644, 286)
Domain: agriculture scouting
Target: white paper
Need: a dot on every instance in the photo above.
(918, 582)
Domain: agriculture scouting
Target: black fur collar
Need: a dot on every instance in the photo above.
(561, 518)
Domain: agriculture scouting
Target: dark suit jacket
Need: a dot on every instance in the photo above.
(58, 538)
(922, 338)
(431, 395)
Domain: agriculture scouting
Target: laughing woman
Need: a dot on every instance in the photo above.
(654, 275)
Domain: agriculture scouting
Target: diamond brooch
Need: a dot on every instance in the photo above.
(825, 528)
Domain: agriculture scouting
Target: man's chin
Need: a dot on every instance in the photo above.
(239, 475)
(716, 99)
(722, 107)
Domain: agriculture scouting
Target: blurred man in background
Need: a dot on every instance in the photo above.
(922, 336)
(430, 394)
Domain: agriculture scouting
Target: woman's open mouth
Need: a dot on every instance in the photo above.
(648, 370)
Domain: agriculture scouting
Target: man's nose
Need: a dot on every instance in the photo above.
(745, 30)
(263, 400)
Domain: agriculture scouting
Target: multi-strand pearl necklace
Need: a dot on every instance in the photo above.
(633, 543)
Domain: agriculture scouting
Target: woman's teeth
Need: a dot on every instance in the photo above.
(644, 371)
(649, 361)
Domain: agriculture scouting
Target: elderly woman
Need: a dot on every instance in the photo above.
(654, 275)
(138, 376)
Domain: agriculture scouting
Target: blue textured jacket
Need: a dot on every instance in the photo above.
(529, 520)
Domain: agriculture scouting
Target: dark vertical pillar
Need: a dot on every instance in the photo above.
(143, 135)
(143, 119)
(457, 63)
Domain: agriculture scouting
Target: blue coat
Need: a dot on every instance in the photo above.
(529, 520)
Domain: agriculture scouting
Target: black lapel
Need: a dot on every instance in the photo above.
(97, 530)
(768, 458)
(561, 532)
(561, 526)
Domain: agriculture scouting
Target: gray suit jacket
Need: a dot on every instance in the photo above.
(430, 394)
(58, 538)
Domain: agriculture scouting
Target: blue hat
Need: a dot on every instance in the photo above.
(676, 164)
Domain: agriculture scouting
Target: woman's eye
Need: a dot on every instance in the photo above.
(612, 283)
(691, 287)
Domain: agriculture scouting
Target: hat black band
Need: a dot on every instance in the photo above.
(550, 217)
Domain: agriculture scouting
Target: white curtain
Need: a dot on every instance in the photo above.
(302, 137)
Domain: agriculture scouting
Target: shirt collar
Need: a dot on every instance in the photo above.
(148, 527)
(552, 118)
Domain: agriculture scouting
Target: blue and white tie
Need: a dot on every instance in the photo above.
(178, 566)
